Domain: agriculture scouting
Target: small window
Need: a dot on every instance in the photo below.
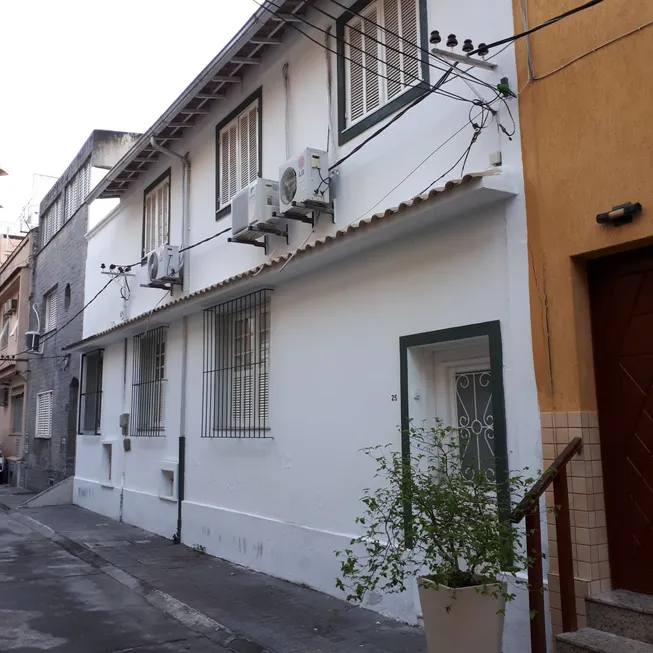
(66, 297)
(4, 397)
(17, 403)
(149, 384)
(380, 61)
(156, 214)
(44, 414)
(236, 367)
(51, 301)
(90, 407)
(238, 153)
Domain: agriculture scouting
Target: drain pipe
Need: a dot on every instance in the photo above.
(185, 221)
(181, 465)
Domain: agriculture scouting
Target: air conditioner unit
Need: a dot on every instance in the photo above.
(254, 210)
(32, 342)
(11, 307)
(164, 265)
(304, 181)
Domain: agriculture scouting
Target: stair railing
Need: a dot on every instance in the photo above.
(529, 508)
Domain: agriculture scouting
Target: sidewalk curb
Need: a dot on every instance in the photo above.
(183, 613)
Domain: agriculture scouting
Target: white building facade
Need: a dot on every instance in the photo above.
(275, 365)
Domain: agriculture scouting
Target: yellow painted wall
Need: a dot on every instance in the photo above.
(587, 137)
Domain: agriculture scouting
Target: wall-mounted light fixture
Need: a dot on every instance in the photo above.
(622, 214)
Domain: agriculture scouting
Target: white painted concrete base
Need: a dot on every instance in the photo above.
(142, 509)
(58, 495)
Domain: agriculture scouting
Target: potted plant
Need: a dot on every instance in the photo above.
(443, 521)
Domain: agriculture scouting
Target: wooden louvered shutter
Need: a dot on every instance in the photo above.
(356, 90)
(393, 49)
(51, 302)
(162, 214)
(252, 141)
(228, 163)
(409, 30)
(44, 415)
(364, 84)
(371, 37)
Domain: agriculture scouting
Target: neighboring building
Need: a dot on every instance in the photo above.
(585, 116)
(15, 285)
(57, 296)
(8, 243)
(279, 364)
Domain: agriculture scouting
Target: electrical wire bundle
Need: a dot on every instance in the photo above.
(479, 121)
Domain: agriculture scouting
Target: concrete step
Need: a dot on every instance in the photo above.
(597, 641)
(622, 613)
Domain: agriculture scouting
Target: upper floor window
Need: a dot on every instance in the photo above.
(381, 61)
(52, 221)
(76, 190)
(156, 214)
(238, 151)
(50, 313)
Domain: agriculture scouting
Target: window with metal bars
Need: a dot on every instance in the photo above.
(76, 190)
(156, 214)
(238, 149)
(235, 388)
(44, 414)
(381, 62)
(149, 384)
(50, 311)
(90, 406)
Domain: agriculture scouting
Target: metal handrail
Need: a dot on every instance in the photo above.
(529, 508)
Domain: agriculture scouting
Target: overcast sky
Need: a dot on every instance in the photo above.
(70, 66)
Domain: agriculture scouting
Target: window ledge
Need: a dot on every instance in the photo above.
(107, 485)
(43, 437)
(167, 497)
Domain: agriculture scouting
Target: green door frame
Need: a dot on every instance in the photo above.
(491, 330)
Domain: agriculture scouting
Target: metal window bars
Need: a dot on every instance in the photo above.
(90, 404)
(149, 384)
(236, 353)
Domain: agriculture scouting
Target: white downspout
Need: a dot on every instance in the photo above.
(185, 205)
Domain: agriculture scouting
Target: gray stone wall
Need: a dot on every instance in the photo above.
(60, 263)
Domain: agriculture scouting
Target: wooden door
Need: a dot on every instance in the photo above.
(621, 291)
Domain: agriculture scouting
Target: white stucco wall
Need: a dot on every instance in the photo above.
(284, 504)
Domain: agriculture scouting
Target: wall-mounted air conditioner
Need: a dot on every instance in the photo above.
(253, 210)
(164, 265)
(32, 342)
(304, 181)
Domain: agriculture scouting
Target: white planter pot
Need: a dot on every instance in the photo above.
(461, 620)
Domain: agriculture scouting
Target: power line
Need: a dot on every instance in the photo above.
(63, 326)
(396, 117)
(415, 46)
(551, 21)
(420, 82)
(421, 49)
(126, 268)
